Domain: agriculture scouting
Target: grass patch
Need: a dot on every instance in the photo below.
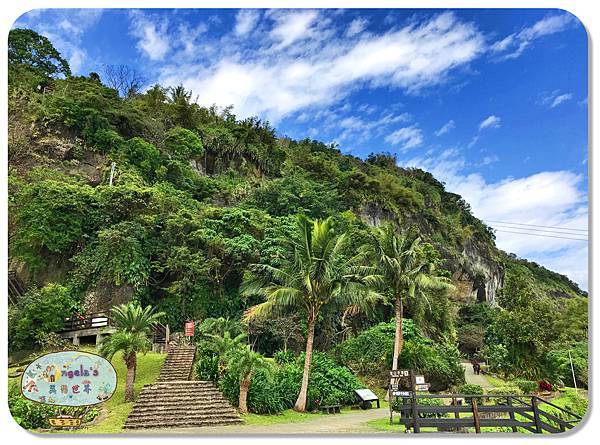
(287, 416)
(495, 381)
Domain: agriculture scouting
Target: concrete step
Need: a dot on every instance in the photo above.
(180, 414)
(182, 423)
(176, 405)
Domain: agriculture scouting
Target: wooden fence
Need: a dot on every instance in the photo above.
(464, 412)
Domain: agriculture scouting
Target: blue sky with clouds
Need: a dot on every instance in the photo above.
(493, 102)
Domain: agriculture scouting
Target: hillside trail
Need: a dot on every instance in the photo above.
(475, 379)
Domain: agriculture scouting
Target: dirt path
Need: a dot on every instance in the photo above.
(475, 379)
(346, 423)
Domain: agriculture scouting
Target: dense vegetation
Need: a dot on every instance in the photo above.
(199, 198)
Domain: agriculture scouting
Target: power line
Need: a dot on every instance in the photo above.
(545, 236)
(536, 225)
(556, 231)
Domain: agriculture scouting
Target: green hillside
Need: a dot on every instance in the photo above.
(198, 195)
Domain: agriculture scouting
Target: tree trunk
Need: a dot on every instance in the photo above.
(244, 386)
(131, 362)
(399, 337)
(301, 402)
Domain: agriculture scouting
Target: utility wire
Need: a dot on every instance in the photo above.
(536, 225)
(551, 231)
(546, 236)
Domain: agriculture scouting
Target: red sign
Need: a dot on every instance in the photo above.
(188, 329)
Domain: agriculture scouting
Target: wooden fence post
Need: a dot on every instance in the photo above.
(475, 414)
(511, 414)
(415, 410)
(536, 415)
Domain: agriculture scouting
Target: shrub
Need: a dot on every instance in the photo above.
(329, 384)
(397, 402)
(527, 386)
(284, 357)
(40, 312)
(471, 389)
(504, 390)
(183, 144)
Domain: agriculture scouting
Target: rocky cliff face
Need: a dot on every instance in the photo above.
(477, 275)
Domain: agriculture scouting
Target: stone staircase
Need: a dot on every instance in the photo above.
(178, 365)
(172, 403)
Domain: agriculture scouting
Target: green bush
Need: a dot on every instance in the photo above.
(329, 384)
(503, 390)
(370, 354)
(470, 389)
(397, 402)
(527, 386)
(183, 144)
(40, 312)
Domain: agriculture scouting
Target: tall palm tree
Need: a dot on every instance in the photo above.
(246, 362)
(134, 325)
(316, 274)
(406, 267)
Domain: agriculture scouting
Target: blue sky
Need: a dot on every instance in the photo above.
(492, 102)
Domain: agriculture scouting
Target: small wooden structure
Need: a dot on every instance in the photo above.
(99, 324)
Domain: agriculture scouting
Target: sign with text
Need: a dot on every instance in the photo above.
(420, 379)
(188, 329)
(69, 378)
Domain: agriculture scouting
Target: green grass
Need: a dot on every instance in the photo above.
(495, 381)
(115, 411)
(288, 416)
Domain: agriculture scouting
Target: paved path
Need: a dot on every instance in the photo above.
(475, 379)
(346, 423)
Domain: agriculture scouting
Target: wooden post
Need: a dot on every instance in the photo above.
(456, 413)
(415, 411)
(511, 413)
(390, 400)
(536, 415)
(475, 414)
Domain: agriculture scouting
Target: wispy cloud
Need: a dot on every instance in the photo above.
(490, 122)
(407, 137)
(445, 128)
(304, 60)
(555, 98)
(513, 45)
(356, 27)
(246, 20)
(153, 40)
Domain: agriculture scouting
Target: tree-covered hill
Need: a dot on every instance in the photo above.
(198, 195)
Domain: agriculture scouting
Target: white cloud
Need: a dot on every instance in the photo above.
(490, 122)
(550, 198)
(300, 63)
(152, 35)
(555, 98)
(513, 45)
(356, 27)
(407, 137)
(246, 20)
(445, 128)
(292, 26)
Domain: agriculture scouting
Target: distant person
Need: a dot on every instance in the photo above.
(475, 365)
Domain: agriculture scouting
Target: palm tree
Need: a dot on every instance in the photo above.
(223, 345)
(133, 327)
(246, 362)
(315, 275)
(406, 267)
